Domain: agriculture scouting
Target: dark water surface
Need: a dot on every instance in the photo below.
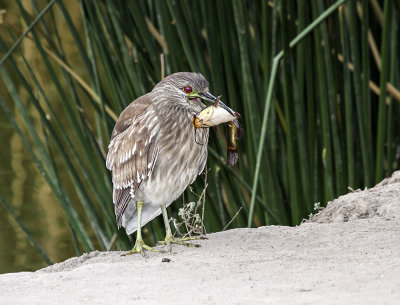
(24, 188)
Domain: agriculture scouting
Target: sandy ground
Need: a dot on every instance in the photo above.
(348, 254)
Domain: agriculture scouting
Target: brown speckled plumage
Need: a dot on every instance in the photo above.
(155, 152)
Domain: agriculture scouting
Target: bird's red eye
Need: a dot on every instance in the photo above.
(188, 89)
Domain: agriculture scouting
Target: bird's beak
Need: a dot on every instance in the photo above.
(207, 96)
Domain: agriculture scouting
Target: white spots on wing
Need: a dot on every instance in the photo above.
(152, 122)
(125, 157)
(137, 177)
(132, 192)
(140, 153)
(134, 149)
(151, 136)
(110, 155)
(141, 128)
(149, 165)
(109, 162)
(116, 186)
(111, 144)
(147, 115)
(131, 132)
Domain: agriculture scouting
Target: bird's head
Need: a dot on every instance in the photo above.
(188, 89)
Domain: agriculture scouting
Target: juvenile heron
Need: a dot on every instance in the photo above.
(155, 152)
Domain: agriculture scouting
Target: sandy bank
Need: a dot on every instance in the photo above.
(348, 254)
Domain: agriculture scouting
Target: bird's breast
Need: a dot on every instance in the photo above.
(182, 157)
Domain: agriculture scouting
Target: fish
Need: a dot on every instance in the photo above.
(213, 115)
(217, 114)
(234, 132)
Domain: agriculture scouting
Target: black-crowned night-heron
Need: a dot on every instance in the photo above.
(155, 152)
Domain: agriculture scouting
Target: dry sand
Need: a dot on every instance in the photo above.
(348, 254)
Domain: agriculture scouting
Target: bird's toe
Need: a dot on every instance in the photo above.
(139, 247)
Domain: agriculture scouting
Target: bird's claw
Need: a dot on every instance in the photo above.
(180, 241)
(139, 247)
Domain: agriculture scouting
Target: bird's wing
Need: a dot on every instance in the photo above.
(132, 152)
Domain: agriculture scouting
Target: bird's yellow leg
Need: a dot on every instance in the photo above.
(169, 239)
(139, 244)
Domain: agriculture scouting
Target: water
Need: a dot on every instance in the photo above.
(25, 189)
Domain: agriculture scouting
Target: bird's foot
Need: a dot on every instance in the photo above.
(180, 241)
(139, 247)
